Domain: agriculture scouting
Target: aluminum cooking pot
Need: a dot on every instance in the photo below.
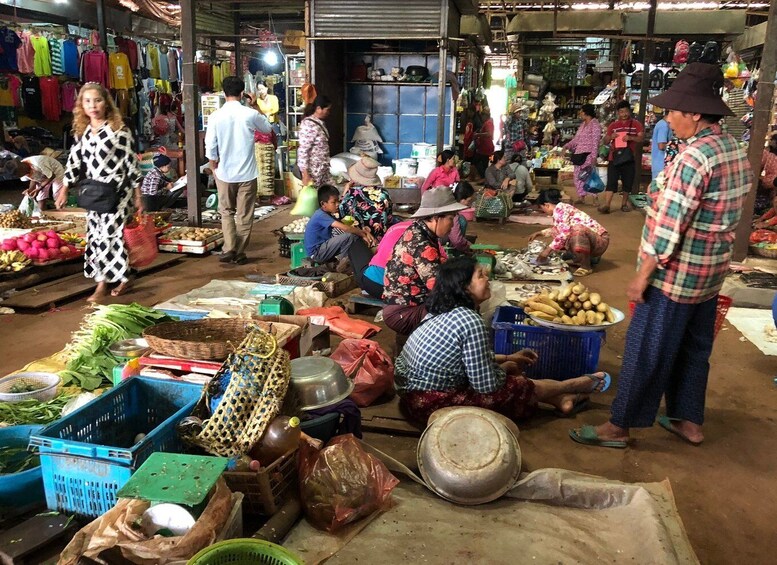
(319, 382)
(469, 455)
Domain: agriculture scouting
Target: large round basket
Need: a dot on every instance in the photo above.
(247, 551)
(763, 252)
(206, 340)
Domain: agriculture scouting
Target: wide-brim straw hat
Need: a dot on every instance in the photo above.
(365, 172)
(518, 107)
(697, 89)
(438, 201)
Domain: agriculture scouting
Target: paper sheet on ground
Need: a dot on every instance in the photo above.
(757, 325)
(550, 516)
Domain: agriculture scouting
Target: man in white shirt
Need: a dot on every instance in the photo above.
(229, 147)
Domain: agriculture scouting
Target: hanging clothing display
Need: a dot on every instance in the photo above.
(120, 71)
(69, 94)
(205, 76)
(9, 91)
(94, 67)
(217, 78)
(9, 43)
(25, 54)
(152, 61)
(226, 69)
(70, 58)
(51, 105)
(55, 48)
(164, 65)
(172, 64)
(32, 97)
(42, 57)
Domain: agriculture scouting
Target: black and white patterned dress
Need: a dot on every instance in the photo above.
(108, 157)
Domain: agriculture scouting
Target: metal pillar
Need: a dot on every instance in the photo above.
(238, 43)
(442, 81)
(191, 103)
(101, 24)
(761, 116)
(647, 59)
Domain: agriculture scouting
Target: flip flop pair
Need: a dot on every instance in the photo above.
(581, 272)
(602, 381)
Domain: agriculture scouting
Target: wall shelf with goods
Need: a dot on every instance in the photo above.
(296, 76)
(403, 112)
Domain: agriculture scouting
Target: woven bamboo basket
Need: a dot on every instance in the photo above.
(335, 285)
(207, 340)
(763, 252)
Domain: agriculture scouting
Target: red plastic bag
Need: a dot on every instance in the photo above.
(342, 483)
(368, 365)
(140, 239)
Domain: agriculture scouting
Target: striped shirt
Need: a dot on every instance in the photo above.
(689, 229)
(449, 351)
(57, 63)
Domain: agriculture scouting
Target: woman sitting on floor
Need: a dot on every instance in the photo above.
(574, 231)
(448, 361)
(464, 195)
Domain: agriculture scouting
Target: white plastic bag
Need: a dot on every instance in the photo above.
(498, 298)
(304, 297)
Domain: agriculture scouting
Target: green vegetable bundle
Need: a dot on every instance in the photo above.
(89, 361)
(32, 411)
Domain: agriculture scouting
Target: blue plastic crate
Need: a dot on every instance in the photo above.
(87, 456)
(562, 355)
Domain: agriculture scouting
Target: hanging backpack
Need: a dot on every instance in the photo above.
(669, 77)
(711, 53)
(664, 53)
(636, 80)
(681, 50)
(695, 51)
(639, 52)
(656, 79)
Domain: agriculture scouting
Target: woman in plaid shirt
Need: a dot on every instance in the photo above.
(448, 360)
(683, 259)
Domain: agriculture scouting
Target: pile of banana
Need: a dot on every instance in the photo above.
(575, 305)
(12, 261)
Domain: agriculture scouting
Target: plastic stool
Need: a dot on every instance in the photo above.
(298, 254)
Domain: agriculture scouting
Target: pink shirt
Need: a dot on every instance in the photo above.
(386, 245)
(564, 217)
(441, 177)
(25, 55)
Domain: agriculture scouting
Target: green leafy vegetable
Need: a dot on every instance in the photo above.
(33, 411)
(16, 460)
(89, 361)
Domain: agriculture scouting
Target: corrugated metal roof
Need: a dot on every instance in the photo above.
(377, 19)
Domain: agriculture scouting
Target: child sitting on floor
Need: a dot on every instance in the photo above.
(321, 244)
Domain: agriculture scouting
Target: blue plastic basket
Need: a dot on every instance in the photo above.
(23, 489)
(87, 456)
(562, 355)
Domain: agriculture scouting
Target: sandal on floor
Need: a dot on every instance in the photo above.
(602, 382)
(123, 288)
(587, 436)
(666, 423)
(581, 272)
(578, 406)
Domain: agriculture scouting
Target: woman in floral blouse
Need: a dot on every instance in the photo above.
(411, 271)
(313, 149)
(574, 231)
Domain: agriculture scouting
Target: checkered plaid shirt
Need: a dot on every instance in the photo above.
(689, 229)
(449, 351)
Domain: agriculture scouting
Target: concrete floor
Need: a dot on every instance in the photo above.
(724, 489)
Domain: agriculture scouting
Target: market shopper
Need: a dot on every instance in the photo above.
(411, 271)
(313, 148)
(516, 131)
(622, 136)
(46, 177)
(448, 360)
(103, 152)
(683, 260)
(268, 106)
(523, 182)
(496, 198)
(365, 200)
(573, 231)
(662, 135)
(484, 142)
(584, 148)
(445, 174)
(229, 147)
(766, 196)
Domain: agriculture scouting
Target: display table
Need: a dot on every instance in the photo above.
(543, 172)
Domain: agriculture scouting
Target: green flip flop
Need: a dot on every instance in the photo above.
(587, 436)
(666, 423)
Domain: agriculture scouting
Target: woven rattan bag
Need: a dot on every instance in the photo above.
(259, 373)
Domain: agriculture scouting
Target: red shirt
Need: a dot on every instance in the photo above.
(631, 127)
(484, 144)
(51, 104)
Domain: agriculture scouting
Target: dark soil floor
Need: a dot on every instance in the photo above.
(724, 489)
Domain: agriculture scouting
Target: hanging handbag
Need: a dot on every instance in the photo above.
(578, 159)
(95, 195)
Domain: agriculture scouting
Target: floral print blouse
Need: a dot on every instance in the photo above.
(370, 206)
(412, 269)
(313, 150)
(565, 216)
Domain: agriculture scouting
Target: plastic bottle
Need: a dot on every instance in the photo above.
(281, 436)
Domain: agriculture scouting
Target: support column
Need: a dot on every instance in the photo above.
(647, 59)
(761, 117)
(238, 42)
(101, 24)
(441, 125)
(191, 103)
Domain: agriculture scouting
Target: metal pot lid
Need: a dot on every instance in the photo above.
(469, 456)
(312, 367)
(335, 400)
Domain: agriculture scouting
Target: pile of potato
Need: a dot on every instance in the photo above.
(14, 220)
(191, 234)
(575, 305)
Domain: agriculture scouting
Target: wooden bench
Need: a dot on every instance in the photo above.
(360, 302)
